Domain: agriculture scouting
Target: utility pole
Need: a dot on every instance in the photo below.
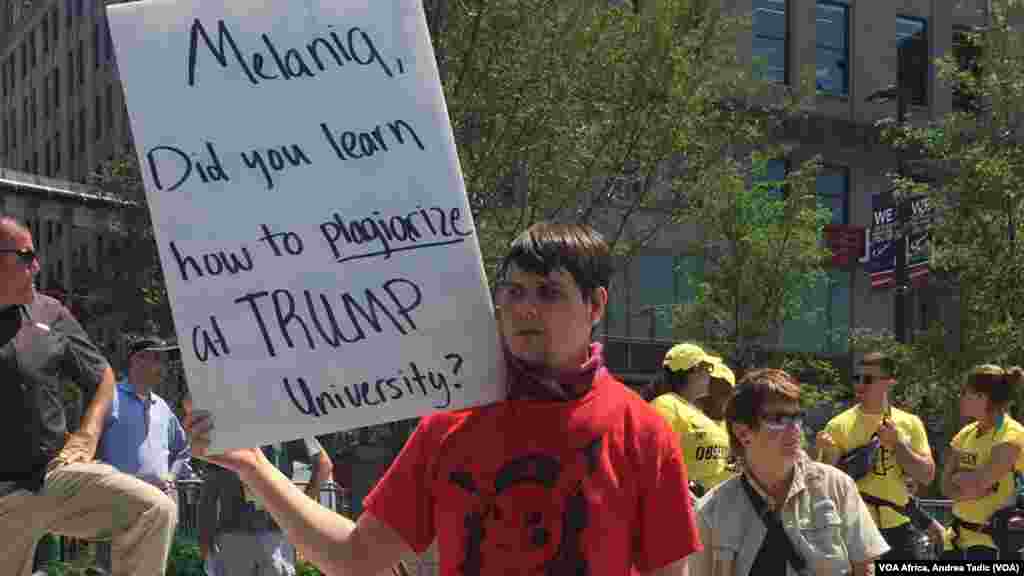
(899, 307)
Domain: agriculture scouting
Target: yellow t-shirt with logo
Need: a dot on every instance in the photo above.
(852, 429)
(704, 442)
(975, 451)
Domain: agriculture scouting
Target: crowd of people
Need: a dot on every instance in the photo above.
(572, 473)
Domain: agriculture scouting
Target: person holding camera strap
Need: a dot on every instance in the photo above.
(878, 445)
(979, 468)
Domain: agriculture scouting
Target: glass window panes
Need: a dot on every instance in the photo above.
(769, 41)
(832, 188)
(832, 48)
(823, 323)
(913, 55)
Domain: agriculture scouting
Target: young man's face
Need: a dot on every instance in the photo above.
(544, 319)
(870, 384)
(16, 273)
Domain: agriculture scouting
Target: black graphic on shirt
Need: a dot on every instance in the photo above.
(513, 522)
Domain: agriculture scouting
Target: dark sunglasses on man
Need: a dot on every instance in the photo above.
(25, 256)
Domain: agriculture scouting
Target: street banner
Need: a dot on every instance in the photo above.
(881, 265)
(311, 217)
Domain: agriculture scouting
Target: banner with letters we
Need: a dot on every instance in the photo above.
(312, 222)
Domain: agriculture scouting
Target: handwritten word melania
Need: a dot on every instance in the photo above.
(421, 228)
(357, 47)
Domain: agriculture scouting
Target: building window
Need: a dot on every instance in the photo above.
(833, 191)
(44, 93)
(34, 110)
(13, 129)
(98, 132)
(967, 54)
(96, 44)
(55, 26)
(56, 88)
(912, 48)
(57, 144)
(658, 282)
(80, 8)
(774, 171)
(24, 60)
(46, 157)
(25, 113)
(823, 322)
(110, 43)
(769, 41)
(44, 31)
(832, 48)
(35, 161)
(81, 62)
(68, 12)
(32, 49)
(71, 73)
(110, 107)
(71, 138)
(82, 126)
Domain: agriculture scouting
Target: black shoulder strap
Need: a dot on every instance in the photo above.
(773, 523)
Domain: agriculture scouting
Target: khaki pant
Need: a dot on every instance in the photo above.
(90, 501)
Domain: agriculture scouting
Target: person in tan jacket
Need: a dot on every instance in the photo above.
(784, 514)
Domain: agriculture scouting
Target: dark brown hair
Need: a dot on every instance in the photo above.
(995, 383)
(756, 389)
(548, 246)
(880, 359)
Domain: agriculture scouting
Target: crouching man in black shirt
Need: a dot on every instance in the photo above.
(49, 480)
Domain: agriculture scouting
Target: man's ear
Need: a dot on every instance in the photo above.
(598, 304)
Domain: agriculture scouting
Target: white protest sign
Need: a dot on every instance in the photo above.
(310, 212)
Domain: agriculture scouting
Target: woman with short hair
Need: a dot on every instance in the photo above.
(979, 465)
(784, 514)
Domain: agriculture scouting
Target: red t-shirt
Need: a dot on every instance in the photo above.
(592, 486)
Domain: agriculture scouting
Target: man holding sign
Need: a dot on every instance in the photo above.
(571, 474)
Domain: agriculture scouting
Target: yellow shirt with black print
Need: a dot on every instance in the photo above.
(704, 442)
(853, 428)
(974, 451)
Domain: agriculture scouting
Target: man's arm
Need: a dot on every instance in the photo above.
(979, 483)
(950, 464)
(180, 452)
(918, 464)
(677, 568)
(80, 446)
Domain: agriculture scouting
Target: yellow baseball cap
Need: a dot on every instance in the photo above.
(682, 357)
(722, 372)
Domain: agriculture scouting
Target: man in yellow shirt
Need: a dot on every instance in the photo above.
(903, 451)
(705, 444)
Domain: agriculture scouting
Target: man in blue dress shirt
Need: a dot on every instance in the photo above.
(142, 436)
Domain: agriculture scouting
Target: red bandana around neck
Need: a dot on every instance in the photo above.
(530, 382)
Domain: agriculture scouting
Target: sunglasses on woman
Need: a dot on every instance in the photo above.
(25, 256)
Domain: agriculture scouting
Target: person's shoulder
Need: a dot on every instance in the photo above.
(722, 497)
(900, 414)
(1012, 427)
(965, 433)
(46, 309)
(846, 417)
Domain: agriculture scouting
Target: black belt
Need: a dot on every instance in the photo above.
(912, 509)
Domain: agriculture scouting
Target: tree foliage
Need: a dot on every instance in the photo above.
(617, 116)
(976, 157)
